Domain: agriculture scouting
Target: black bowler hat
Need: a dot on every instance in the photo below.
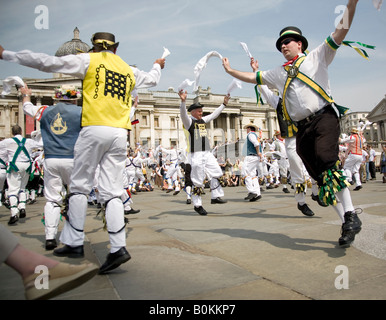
(105, 39)
(196, 105)
(291, 32)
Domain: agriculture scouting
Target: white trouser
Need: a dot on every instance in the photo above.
(172, 175)
(296, 168)
(352, 166)
(16, 187)
(3, 178)
(249, 171)
(105, 146)
(204, 164)
(130, 176)
(126, 199)
(57, 172)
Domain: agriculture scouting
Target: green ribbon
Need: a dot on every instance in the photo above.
(362, 52)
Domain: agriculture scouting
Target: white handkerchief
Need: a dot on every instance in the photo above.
(234, 85)
(186, 83)
(377, 4)
(245, 47)
(9, 82)
(201, 64)
(166, 53)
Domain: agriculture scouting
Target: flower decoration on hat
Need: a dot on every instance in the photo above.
(67, 93)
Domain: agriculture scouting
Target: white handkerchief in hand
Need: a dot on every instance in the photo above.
(377, 4)
(9, 82)
(245, 47)
(234, 85)
(166, 53)
(186, 83)
(201, 64)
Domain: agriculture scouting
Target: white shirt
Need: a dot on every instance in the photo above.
(253, 139)
(75, 65)
(11, 146)
(372, 155)
(301, 101)
(187, 121)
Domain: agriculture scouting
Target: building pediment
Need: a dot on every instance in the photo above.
(379, 112)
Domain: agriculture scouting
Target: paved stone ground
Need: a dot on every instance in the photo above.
(240, 251)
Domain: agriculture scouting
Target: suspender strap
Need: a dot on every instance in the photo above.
(3, 162)
(293, 72)
(21, 147)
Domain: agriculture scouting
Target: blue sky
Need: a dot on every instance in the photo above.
(192, 28)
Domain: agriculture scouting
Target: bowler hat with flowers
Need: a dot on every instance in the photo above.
(67, 92)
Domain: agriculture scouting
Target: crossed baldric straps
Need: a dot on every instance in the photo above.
(294, 73)
(21, 148)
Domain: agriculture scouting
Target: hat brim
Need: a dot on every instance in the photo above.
(194, 107)
(251, 125)
(295, 36)
(114, 46)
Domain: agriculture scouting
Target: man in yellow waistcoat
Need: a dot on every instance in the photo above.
(107, 85)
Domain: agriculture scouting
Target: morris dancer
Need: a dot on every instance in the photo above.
(307, 108)
(102, 140)
(200, 157)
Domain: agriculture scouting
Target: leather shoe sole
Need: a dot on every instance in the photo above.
(255, 198)
(13, 220)
(51, 244)
(217, 200)
(200, 210)
(114, 260)
(132, 211)
(305, 210)
(71, 252)
(22, 213)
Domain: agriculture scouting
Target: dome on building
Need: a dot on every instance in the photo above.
(74, 46)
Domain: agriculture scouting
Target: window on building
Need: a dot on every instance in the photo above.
(156, 122)
(144, 121)
(172, 122)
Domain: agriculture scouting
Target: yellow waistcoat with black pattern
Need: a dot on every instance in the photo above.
(107, 90)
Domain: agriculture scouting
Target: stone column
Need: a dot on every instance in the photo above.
(228, 128)
(152, 132)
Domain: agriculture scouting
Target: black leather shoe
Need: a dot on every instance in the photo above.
(217, 200)
(357, 188)
(22, 213)
(250, 196)
(176, 192)
(305, 210)
(317, 199)
(51, 244)
(347, 238)
(352, 222)
(13, 220)
(114, 260)
(71, 252)
(285, 190)
(188, 201)
(132, 211)
(258, 197)
(200, 210)
(352, 225)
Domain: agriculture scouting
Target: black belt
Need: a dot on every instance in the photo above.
(313, 116)
(252, 154)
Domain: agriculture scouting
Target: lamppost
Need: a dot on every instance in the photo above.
(178, 130)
